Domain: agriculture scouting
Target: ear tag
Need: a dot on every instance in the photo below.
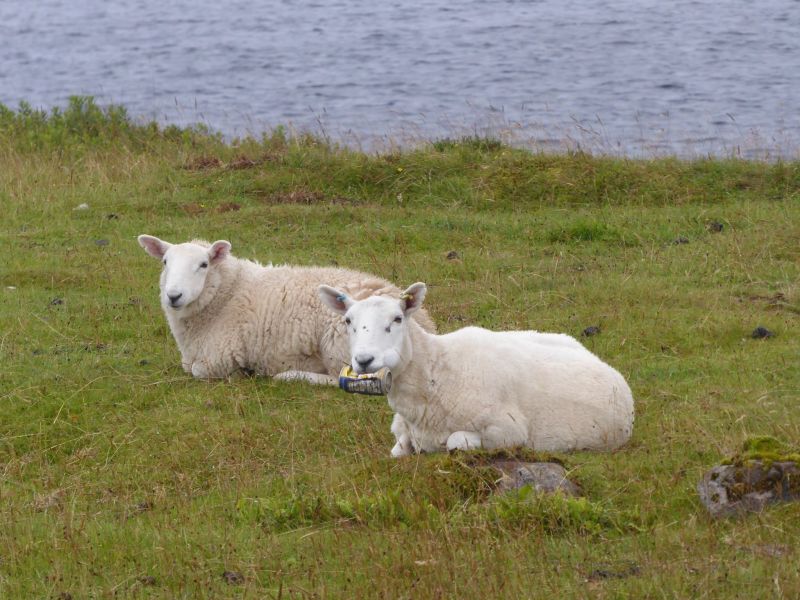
(341, 298)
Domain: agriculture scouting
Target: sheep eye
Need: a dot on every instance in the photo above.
(347, 320)
(164, 261)
(398, 319)
(203, 265)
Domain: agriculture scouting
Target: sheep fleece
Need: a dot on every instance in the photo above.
(269, 319)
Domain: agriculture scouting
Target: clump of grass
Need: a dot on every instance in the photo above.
(85, 124)
(585, 231)
(551, 513)
(376, 510)
(475, 143)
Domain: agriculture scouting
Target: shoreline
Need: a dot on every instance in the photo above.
(590, 136)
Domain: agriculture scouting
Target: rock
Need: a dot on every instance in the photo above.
(610, 571)
(748, 486)
(760, 333)
(543, 477)
(590, 331)
(232, 577)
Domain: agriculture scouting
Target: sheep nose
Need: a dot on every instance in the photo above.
(173, 298)
(364, 360)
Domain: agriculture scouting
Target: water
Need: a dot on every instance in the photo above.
(633, 77)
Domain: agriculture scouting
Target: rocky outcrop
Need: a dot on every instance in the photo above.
(749, 486)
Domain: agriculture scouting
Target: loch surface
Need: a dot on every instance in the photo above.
(632, 77)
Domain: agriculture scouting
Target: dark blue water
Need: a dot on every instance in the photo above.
(636, 77)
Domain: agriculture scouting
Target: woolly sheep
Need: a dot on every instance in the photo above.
(478, 388)
(229, 314)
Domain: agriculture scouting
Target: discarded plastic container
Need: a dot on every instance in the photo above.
(373, 384)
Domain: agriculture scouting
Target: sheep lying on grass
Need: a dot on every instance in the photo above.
(477, 388)
(228, 314)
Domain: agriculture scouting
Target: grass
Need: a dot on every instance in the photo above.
(121, 476)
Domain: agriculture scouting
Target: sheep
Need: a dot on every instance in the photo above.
(475, 388)
(232, 315)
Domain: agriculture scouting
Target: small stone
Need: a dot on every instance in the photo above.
(101, 242)
(543, 477)
(590, 331)
(680, 240)
(760, 333)
(715, 226)
(453, 255)
(142, 507)
(606, 571)
(232, 577)
(56, 302)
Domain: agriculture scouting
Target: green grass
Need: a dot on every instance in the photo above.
(121, 476)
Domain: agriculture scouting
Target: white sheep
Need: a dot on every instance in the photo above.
(231, 315)
(478, 388)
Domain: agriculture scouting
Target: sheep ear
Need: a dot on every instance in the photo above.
(219, 251)
(153, 246)
(334, 299)
(412, 298)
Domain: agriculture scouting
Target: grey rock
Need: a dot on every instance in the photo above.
(728, 490)
(543, 477)
(760, 333)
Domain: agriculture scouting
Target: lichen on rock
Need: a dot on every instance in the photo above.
(766, 471)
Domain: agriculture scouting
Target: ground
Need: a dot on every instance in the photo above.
(121, 475)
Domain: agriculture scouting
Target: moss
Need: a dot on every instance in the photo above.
(763, 448)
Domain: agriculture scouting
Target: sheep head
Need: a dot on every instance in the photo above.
(376, 326)
(186, 269)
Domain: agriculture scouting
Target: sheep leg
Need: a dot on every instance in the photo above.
(314, 378)
(200, 371)
(402, 434)
(506, 434)
(463, 440)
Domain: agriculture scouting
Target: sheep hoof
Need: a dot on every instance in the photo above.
(399, 450)
(463, 440)
(199, 371)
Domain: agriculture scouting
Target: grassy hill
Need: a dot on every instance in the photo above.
(121, 476)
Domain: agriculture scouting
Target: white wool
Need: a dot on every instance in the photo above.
(229, 314)
(480, 388)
